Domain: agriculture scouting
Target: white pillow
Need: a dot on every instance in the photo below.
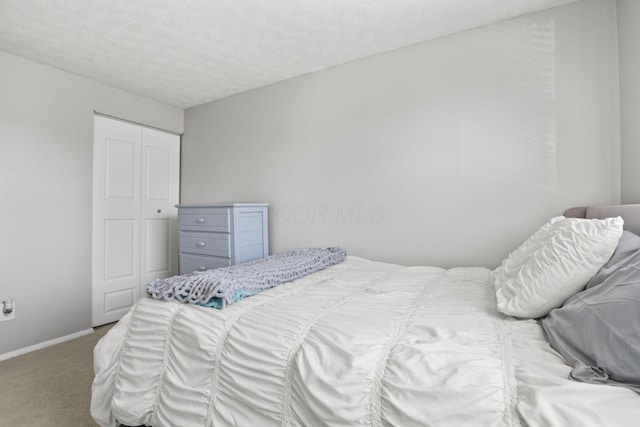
(553, 264)
(532, 243)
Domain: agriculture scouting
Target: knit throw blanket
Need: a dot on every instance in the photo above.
(223, 286)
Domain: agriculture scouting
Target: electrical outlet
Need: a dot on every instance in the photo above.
(8, 311)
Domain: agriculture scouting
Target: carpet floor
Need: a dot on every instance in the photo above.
(50, 387)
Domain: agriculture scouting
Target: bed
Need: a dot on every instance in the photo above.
(372, 343)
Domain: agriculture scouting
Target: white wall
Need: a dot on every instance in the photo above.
(629, 47)
(445, 153)
(46, 142)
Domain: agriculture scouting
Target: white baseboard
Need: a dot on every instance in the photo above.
(29, 349)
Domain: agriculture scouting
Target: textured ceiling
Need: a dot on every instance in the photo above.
(189, 52)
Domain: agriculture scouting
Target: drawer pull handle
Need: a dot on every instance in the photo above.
(201, 244)
(202, 268)
(200, 220)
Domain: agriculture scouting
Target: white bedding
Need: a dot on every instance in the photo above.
(360, 343)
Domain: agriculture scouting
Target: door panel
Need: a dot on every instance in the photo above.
(158, 246)
(120, 171)
(116, 218)
(158, 173)
(117, 303)
(119, 249)
(160, 194)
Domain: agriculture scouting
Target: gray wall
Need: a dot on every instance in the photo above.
(629, 49)
(46, 140)
(445, 153)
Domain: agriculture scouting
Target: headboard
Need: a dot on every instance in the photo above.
(629, 213)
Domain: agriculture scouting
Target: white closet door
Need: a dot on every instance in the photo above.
(135, 187)
(116, 218)
(160, 194)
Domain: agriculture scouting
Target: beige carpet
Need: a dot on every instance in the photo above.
(50, 387)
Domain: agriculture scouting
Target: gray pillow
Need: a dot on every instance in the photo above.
(597, 331)
(627, 245)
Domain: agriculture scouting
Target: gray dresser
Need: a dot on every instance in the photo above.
(220, 235)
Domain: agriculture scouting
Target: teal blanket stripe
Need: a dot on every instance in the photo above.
(216, 302)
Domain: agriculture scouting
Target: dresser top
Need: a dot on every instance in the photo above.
(222, 205)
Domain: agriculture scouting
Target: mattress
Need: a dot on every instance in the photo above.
(359, 343)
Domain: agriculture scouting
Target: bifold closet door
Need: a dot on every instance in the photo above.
(160, 186)
(135, 190)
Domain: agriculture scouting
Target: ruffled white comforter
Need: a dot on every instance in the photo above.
(360, 343)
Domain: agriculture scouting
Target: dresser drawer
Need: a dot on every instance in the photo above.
(205, 220)
(217, 244)
(190, 263)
